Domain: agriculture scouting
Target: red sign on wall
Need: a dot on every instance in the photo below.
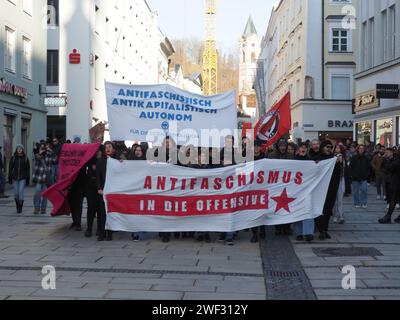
(75, 57)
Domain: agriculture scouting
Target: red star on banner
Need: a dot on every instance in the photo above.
(283, 201)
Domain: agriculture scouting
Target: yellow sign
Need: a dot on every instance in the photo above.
(366, 100)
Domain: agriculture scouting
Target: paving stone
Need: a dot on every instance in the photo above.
(71, 293)
(388, 283)
(222, 296)
(358, 292)
(17, 291)
(196, 277)
(144, 295)
(155, 281)
(163, 287)
(334, 284)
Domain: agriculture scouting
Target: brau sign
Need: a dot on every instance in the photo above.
(153, 197)
(148, 113)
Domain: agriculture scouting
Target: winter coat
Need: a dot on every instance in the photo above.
(42, 167)
(19, 169)
(360, 168)
(376, 164)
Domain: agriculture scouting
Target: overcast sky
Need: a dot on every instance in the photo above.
(185, 18)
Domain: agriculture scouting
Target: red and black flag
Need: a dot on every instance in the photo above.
(275, 123)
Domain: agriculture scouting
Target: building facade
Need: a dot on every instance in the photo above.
(90, 41)
(377, 104)
(23, 42)
(309, 49)
(249, 52)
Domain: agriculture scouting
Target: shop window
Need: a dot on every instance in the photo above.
(384, 132)
(364, 130)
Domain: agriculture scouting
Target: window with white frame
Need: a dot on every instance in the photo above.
(10, 52)
(27, 58)
(340, 40)
(340, 87)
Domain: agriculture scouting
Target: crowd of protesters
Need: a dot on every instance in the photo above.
(357, 166)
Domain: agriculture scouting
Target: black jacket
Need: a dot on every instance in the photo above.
(333, 188)
(1, 162)
(360, 167)
(19, 169)
(314, 155)
(391, 170)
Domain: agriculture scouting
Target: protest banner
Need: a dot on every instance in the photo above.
(154, 197)
(73, 158)
(149, 113)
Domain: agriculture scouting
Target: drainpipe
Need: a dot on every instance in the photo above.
(323, 49)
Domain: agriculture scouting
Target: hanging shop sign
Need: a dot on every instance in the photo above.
(75, 57)
(366, 100)
(14, 90)
(55, 101)
(387, 91)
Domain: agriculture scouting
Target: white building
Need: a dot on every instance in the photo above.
(309, 51)
(249, 52)
(90, 41)
(377, 104)
(22, 73)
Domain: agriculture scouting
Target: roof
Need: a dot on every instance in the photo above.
(250, 28)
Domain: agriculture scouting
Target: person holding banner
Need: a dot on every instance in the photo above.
(258, 232)
(92, 196)
(101, 172)
(281, 153)
(304, 230)
(138, 154)
(75, 199)
(322, 222)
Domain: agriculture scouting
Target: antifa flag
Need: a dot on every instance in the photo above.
(276, 123)
(73, 157)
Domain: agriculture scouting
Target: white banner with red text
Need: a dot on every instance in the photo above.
(154, 197)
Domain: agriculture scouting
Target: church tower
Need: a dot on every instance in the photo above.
(250, 47)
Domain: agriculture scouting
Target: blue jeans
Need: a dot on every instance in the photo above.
(38, 201)
(360, 193)
(55, 173)
(2, 183)
(19, 188)
(304, 228)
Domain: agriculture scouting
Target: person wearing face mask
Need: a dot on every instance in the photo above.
(376, 163)
(322, 222)
(101, 172)
(18, 175)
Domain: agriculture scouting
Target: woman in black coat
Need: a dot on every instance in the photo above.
(322, 222)
(18, 175)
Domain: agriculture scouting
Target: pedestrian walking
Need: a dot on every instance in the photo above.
(393, 168)
(376, 163)
(19, 175)
(42, 172)
(360, 169)
(2, 177)
(304, 230)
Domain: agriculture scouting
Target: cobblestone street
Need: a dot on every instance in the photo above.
(186, 269)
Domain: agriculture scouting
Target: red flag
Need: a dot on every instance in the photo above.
(73, 158)
(276, 123)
